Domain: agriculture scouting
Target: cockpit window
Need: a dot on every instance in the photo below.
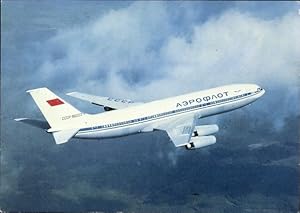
(259, 89)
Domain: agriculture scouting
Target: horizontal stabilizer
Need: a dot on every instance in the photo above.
(33, 122)
(64, 136)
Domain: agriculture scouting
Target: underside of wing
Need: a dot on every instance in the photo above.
(107, 102)
(184, 132)
(180, 130)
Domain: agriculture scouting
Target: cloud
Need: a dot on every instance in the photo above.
(145, 51)
(119, 45)
(133, 51)
(140, 53)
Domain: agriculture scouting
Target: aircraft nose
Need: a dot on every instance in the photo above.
(260, 91)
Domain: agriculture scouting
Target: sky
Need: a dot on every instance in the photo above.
(143, 51)
(130, 49)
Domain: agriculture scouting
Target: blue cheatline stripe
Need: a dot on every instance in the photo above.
(182, 110)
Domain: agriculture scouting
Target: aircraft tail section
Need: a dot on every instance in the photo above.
(58, 113)
(64, 135)
(34, 122)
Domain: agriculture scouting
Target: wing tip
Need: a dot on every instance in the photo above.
(20, 119)
(71, 93)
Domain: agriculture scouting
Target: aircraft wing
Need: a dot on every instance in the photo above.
(107, 102)
(179, 129)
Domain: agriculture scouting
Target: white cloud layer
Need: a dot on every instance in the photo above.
(134, 52)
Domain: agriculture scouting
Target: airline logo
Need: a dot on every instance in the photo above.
(55, 102)
(199, 100)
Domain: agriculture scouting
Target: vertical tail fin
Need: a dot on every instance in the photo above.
(55, 110)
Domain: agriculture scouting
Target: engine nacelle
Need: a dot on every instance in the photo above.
(201, 141)
(106, 108)
(205, 130)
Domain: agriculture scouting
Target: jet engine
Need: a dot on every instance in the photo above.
(106, 108)
(201, 141)
(205, 130)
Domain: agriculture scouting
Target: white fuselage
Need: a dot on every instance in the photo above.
(146, 117)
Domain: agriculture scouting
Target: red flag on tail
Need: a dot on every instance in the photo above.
(55, 102)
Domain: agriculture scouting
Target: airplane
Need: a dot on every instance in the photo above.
(177, 116)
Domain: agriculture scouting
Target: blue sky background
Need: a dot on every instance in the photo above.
(142, 51)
